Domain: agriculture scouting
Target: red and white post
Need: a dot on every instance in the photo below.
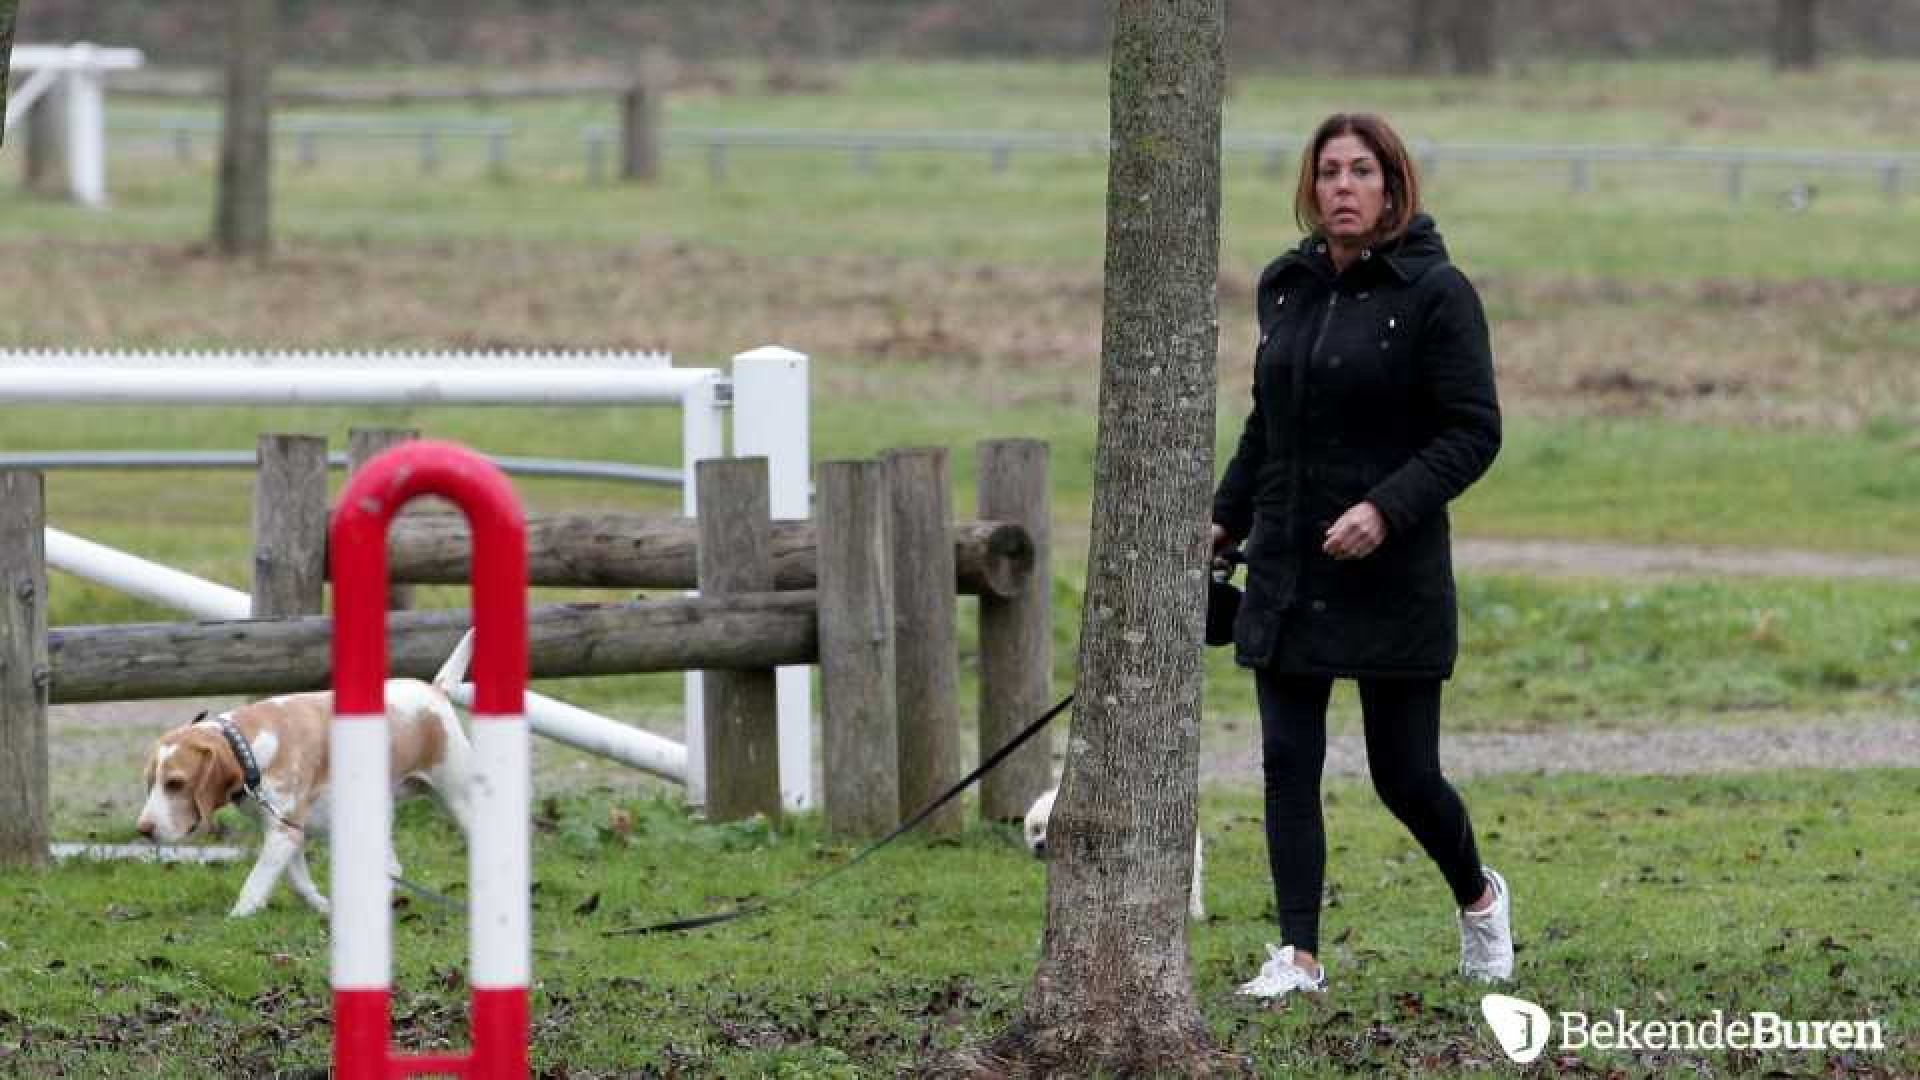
(499, 913)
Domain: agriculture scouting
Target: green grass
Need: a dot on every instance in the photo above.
(1667, 898)
(1656, 223)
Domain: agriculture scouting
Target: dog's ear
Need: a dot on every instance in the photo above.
(219, 777)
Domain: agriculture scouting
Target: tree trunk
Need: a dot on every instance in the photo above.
(1795, 46)
(1470, 27)
(243, 203)
(1421, 36)
(1113, 994)
(8, 8)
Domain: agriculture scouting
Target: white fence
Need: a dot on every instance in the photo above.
(71, 80)
(766, 393)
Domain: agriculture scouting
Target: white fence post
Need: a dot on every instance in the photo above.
(702, 436)
(86, 130)
(771, 420)
(78, 72)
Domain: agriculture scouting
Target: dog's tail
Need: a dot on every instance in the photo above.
(454, 671)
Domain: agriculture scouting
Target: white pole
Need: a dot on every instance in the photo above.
(204, 599)
(701, 438)
(33, 377)
(771, 420)
(148, 580)
(86, 131)
(599, 735)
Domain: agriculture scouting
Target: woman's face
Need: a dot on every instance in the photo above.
(1350, 187)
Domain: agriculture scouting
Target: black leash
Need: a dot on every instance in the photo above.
(429, 895)
(905, 827)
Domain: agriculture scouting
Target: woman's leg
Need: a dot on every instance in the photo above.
(1403, 754)
(1293, 743)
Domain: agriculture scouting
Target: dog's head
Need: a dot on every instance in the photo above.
(1036, 829)
(191, 773)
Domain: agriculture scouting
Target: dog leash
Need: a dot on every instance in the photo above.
(965, 782)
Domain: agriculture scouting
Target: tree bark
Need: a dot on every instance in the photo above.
(1113, 993)
(243, 204)
(1795, 45)
(8, 8)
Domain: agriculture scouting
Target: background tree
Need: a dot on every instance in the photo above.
(7, 9)
(1795, 45)
(243, 200)
(1469, 29)
(1421, 44)
(1113, 993)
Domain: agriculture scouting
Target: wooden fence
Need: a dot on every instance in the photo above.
(867, 592)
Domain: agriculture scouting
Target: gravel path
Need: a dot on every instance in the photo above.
(1840, 743)
(1556, 558)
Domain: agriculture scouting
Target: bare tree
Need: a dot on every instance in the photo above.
(1421, 36)
(243, 202)
(1113, 993)
(1795, 45)
(7, 10)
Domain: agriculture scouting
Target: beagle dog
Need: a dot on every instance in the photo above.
(271, 755)
(1036, 836)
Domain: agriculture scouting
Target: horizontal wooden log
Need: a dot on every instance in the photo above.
(640, 551)
(275, 656)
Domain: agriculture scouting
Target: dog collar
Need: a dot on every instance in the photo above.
(249, 768)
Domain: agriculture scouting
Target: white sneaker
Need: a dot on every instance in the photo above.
(1279, 977)
(1486, 937)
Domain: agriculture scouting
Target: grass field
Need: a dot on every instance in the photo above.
(1675, 368)
(1667, 899)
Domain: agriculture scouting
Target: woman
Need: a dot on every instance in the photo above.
(1373, 406)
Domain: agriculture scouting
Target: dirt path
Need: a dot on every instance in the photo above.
(1561, 558)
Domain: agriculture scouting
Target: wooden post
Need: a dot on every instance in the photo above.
(741, 713)
(24, 673)
(290, 526)
(363, 445)
(926, 653)
(640, 125)
(1016, 633)
(858, 710)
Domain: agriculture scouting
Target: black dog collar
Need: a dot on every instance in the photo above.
(249, 768)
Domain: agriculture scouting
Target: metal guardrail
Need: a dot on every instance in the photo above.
(999, 147)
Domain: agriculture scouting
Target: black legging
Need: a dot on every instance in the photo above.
(1402, 719)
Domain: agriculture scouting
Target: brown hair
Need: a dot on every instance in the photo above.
(1396, 166)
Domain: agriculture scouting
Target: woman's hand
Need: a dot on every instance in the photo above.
(1221, 541)
(1358, 532)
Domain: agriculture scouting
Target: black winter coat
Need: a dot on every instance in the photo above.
(1375, 384)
